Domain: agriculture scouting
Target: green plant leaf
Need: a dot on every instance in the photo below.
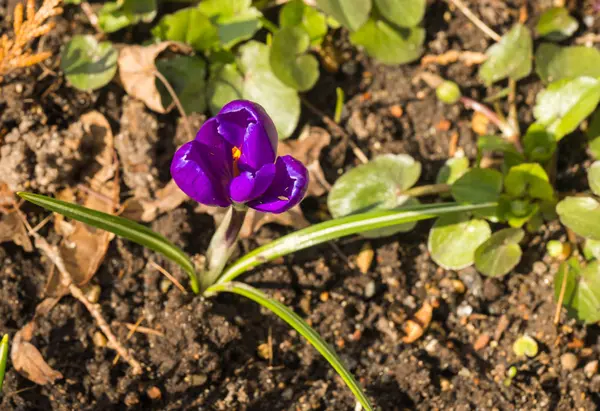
(511, 57)
(525, 346)
(388, 44)
(114, 16)
(564, 104)
(553, 62)
(556, 24)
(3, 359)
(478, 185)
(190, 26)
(289, 60)
(236, 20)
(225, 84)
(582, 215)
(591, 249)
(377, 185)
(529, 179)
(349, 13)
(298, 14)
(87, 64)
(404, 13)
(454, 238)
(303, 329)
(452, 170)
(539, 144)
(120, 226)
(186, 76)
(594, 177)
(491, 143)
(582, 289)
(500, 253)
(341, 227)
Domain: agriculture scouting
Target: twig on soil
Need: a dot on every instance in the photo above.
(91, 16)
(512, 107)
(475, 20)
(588, 39)
(129, 335)
(186, 120)
(341, 254)
(338, 129)
(561, 296)
(41, 224)
(140, 329)
(168, 275)
(469, 58)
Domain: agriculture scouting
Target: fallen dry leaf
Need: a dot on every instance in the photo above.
(28, 361)
(137, 68)
(13, 229)
(307, 149)
(144, 209)
(255, 220)
(415, 327)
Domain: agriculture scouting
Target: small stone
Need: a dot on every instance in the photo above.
(370, 289)
(99, 339)
(568, 361)
(445, 384)
(464, 310)
(154, 393)
(165, 284)
(595, 384)
(198, 379)
(264, 351)
(92, 293)
(590, 369)
(131, 399)
(539, 267)
(324, 296)
(365, 258)
(481, 342)
(492, 289)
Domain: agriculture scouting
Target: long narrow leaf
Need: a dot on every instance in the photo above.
(302, 327)
(3, 359)
(120, 226)
(340, 227)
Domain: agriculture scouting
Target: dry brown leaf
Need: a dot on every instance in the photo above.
(143, 209)
(307, 149)
(13, 229)
(415, 328)
(255, 220)
(28, 361)
(137, 68)
(84, 247)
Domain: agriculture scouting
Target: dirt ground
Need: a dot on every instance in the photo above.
(207, 355)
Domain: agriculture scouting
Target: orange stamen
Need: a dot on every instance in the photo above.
(236, 154)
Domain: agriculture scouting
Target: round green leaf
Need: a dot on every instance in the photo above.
(298, 14)
(510, 57)
(564, 104)
(553, 62)
(448, 92)
(528, 179)
(387, 44)
(556, 24)
(114, 16)
(404, 13)
(500, 253)
(582, 290)
(453, 240)
(594, 177)
(235, 20)
(453, 169)
(186, 76)
(525, 346)
(478, 185)
(349, 13)
(591, 249)
(377, 185)
(539, 145)
(87, 64)
(289, 61)
(582, 215)
(190, 26)
(225, 84)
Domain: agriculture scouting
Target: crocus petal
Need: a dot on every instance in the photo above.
(203, 172)
(287, 189)
(248, 185)
(244, 109)
(209, 135)
(256, 149)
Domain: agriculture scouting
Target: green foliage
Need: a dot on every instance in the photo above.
(377, 185)
(297, 14)
(403, 13)
(3, 359)
(582, 215)
(235, 20)
(351, 14)
(389, 44)
(452, 170)
(448, 92)
(556, 24)
(594, 177)
(565, 103)
(555, 248)
(454, 238)
(478, 185)
(87, 64)
(511, 57)
(525, 346)
(186, 76)
(538, 143)
(114, 16)
(190, 26)
(289, 60)
(120, 226)
(500, 253)
(591, 249)
(582, 289)
(528, 180)
(553, 62)
(225, 84)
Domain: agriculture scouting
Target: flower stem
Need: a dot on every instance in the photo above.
(427, 190)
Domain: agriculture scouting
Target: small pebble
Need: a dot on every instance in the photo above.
(445, 384)
(154, 393)
(365, 258)
(165, 284)
(99, 339)
(370, 289)
(568, 361)
(198, 379)
(464, 310)
(590, 369)
(92, 293)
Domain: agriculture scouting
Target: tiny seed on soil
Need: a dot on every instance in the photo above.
(568, 361)
(365, 258)
(99, 339)
(154, 393)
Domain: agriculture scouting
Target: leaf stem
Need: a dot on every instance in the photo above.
(186, 120)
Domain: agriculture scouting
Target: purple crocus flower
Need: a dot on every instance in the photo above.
(233, 159)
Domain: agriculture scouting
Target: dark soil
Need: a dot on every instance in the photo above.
(208, 357)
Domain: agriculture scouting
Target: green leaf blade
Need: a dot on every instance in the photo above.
(478, 185)
(557, 24)
(289, 60)
(351, 14)
(302, 327)
(120, 226)
(582, 215)
(88, 64)
(404, 13)
(511, 57)
(500, 253)
(3, 359)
